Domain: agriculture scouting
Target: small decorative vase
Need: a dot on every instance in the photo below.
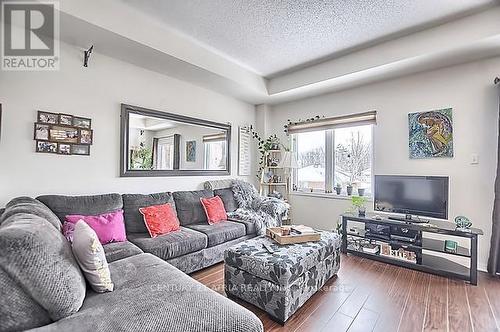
(349, 190)
(361, 191)
(362, 211)
(338, 190)
(463, 222)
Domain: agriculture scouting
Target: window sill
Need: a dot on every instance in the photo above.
(326, 195)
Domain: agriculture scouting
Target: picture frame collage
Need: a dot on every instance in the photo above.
(64, 134)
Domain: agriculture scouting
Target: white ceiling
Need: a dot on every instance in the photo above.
(271, 37)
(138, 121)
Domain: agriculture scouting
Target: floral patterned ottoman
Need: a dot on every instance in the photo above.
(282, 281)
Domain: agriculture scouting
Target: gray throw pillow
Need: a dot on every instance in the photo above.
(227, 197)
(90, 255)
(82, 205)
(189, 208)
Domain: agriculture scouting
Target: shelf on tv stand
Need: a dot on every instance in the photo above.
(427, 244)
(430, 263)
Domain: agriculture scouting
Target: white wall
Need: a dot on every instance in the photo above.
(468, 89)
(96, 92)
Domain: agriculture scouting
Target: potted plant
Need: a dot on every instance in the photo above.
(349, 189)
(264, 146)
(361, 191)
(359, 203)
(338, 188)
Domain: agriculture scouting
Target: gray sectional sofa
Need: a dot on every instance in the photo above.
(42, 287)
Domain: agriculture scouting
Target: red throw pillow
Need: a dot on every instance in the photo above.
(160, 219)
(214, 209)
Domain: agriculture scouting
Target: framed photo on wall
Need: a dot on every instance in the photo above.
(62, 134)
(64, 148)
(81, 122)
(47, 117)
(66, 119)
(86, 136)
(81, 150)
(41, 132)
(46, 147)
(244, 146)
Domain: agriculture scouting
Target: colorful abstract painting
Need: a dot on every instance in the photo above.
(431, 134)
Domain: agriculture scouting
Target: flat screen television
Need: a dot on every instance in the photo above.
(412, 195)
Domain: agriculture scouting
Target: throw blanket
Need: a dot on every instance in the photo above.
(262, 211)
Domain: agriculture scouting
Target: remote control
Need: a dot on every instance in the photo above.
(268, 248)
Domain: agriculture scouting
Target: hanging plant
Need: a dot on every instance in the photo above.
(264, 146)
(300, 121)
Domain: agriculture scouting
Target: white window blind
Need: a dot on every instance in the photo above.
(343, 121)
(214, 137)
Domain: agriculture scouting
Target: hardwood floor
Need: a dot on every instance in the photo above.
(374, 296)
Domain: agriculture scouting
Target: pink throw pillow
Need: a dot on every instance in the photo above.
(109, 227)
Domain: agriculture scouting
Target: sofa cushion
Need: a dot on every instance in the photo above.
(18, 311)
(227, 197)
(249, 225)
(31, 206)
(204, 258)
(152, 295)
(86, 205)
(189, 208)
(134, 222)
(38, 258)
(119, 250)
(220, 232)
(181, 242)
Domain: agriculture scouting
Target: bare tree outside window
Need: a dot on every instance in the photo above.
(353, 157)
(314, 157)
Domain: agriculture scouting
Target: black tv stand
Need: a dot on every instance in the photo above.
(409, 219)
(354, 242)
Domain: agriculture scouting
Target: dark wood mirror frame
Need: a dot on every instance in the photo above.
(126, 110)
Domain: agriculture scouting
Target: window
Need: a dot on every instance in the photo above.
(353, 157)
(215, 154)
(165, 153)
(311, 160)
(334, 156)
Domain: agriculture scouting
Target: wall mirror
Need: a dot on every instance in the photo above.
(155, 143)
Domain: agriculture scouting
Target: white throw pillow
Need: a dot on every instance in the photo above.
(89, 254)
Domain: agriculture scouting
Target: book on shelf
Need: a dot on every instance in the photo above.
(371, 248)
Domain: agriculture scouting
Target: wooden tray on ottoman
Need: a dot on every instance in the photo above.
(275, 234)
